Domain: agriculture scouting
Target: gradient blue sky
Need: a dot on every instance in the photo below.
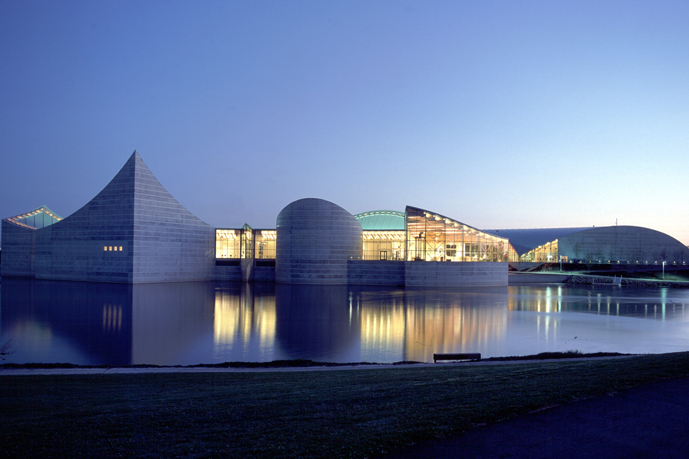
(500, 114)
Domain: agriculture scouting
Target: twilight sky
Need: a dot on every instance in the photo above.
(499, 114)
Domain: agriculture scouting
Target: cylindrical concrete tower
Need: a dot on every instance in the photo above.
(315, 239)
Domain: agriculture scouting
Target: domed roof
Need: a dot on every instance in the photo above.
(383, 220)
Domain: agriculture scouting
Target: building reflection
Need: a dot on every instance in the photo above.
(601, 300)
(171, 322)
(414, 324)
(244, 322)
(104, 324)
(313, 322)
(192, 323)
(354, 324)
(67, 322)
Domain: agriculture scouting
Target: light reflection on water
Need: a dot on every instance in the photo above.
(190, 323)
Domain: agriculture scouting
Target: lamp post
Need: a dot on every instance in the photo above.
(663, 270)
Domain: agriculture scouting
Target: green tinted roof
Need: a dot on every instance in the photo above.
(383, 220)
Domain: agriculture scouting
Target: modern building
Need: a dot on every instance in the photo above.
(628, 245)
(131, 232)
(135, 232)
(19, 240)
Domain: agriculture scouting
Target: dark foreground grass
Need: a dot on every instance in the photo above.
(348, 413)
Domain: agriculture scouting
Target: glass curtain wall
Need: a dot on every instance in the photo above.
(265, 243)
(432, 237)
(37, 218)
(247, 249)
(512, 254)
(384, 245)
(245, 243)
(546, 253)
(227, 243)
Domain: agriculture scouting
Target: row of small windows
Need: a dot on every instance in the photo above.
(112, 248)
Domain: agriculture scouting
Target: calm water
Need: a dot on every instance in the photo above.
(190, 323)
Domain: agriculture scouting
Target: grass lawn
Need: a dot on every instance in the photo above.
(341, 413)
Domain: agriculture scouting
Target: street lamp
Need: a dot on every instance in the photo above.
(663, 270)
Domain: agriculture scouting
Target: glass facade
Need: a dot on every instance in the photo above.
(265, 241)
(428, 237)
(227, 243)
(245, 243)
(546, 253)
(512, 254)
(384, 245)
(37, 218)
(432, 237)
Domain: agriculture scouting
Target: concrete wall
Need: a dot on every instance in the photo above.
(450, 274)
(170, 243)
(264, 271)
(371, 272)
(315, 240)
(161, 241)
(228, 273)
(419, 274)
(430, 274)
(246, 270)
(18, 250)
(72, 249)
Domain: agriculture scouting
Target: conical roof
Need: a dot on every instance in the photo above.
(132, 231)
(133, 195)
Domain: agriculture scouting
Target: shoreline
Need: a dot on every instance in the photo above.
(289, 366)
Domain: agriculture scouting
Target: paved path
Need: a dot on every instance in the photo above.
(646, 422)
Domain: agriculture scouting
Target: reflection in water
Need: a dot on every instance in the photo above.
(605, 300)
(412, 325)
(112, 317)
(170, 320)
(313, 322)
(190, 323)
(69, 322)
(244, 323)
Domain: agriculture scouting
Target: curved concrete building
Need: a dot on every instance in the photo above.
(315, 241)
(629, 245)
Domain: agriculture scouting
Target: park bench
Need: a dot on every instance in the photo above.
(436, 357)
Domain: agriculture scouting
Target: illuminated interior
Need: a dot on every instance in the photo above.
(433, 237)
(245, 243)
(265, 243)
(227, 243)
(384, 245)
(388, 236)
(546, 253)
(36, 219)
